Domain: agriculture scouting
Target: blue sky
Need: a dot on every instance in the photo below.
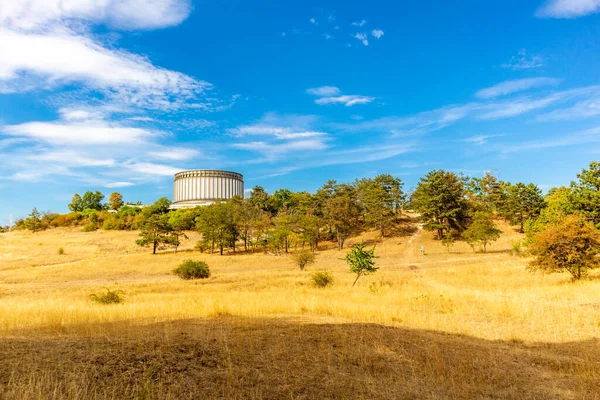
(119, 95)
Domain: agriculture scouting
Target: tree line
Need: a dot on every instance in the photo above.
(450, 205)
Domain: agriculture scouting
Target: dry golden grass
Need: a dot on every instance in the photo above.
(485, 297)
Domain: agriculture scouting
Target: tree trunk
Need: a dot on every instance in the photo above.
(357, 276)
(221, 249)
(155, 246)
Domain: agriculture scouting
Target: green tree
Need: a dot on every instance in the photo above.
(259, 198)
(558, 205)
(522, 202)
(158, 233)
(115, 201)
(180, 221)
(160, 206)
(381, 198)
(572, 245)
(217, 225)
(342, 212)
(34, 221)
(586, 193)
(440, 199)
(76, 204)
(92, 201)
(482, 230)
(361, 261)
(486, 191)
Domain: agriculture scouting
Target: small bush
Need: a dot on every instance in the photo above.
(61, 251)
(89, 227)
(109, 297)
(191, 269)
(516, 247)
(322, 279)
(304, 258)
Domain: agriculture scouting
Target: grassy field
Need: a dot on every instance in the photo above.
(439, 325)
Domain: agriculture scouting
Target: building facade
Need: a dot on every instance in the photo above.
(203, 187)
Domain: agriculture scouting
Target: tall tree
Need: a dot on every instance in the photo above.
(217, 225)
(76, 204)
(586, 193)
(381, 198)
(523, 202)
(487, 191)
(92, 201)
(158, 233)
(115, 201)
(342, 212)
(34, 220)
(441, 200)
(259, 198)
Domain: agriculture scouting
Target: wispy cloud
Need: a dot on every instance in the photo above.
(348, 100)
(324, 91)
(377, 33)
(568, 8)
(281, 134)
(360, 23)
(332, 95)
(582, 137)
(313, 21)
(514, 86)
(362, 37)
(524, 61)
(479, 140)
(118, 184)
(126, 14)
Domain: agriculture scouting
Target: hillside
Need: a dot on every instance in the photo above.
(439, 325)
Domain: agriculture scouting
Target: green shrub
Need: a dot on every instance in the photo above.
(322, 279)
(61, 251)
(89, 227)
(109, 297)
(304, 258)
(191, 269)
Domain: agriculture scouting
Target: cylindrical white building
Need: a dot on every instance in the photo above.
(203, 187)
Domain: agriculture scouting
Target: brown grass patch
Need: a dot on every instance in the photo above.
(274, 359)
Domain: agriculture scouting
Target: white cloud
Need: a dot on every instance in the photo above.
(512, 108)
(588, 136)
(347, 100)
(277, 149)
(174, 153)
(127, 14)
(151, 169)
(61, 57)
(327, 36)
(568, 8)
(312, 21)
(71, 158)
(361, 23)
(78, 133)
(523, 61)
(118, 184)
(329, 95)
(378, 33)
(362, 37)
(583, 109)
(324, 91)
(514, 86)
(479, 139)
